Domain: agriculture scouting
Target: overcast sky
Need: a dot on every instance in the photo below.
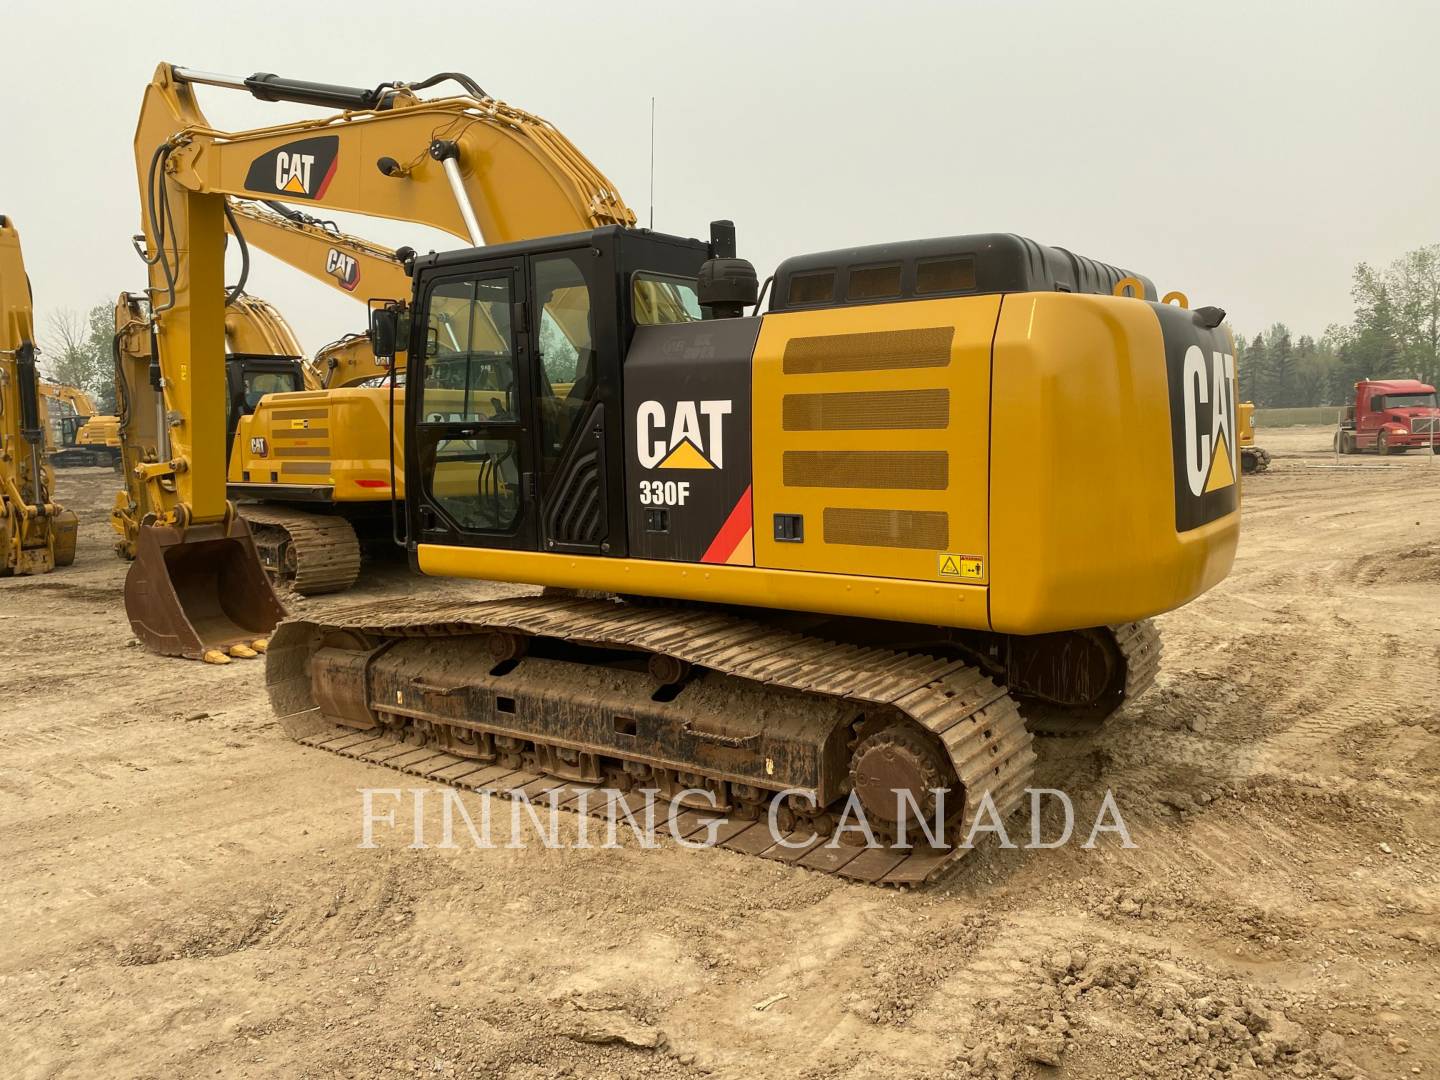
(1248, 154)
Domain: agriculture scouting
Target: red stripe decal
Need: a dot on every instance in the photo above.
(731, 533)
(329, 175)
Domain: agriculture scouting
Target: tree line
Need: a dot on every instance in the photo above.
(77, 350)
(1394, 333)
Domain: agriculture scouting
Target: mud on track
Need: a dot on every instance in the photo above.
(185, 896)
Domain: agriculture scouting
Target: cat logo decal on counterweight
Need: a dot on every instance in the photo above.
(1200, 365)
(1209, 446)
(302, 169)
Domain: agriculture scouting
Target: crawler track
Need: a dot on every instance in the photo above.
(1138, 648)
(964, 716)
(1254, 459)
(310, 553)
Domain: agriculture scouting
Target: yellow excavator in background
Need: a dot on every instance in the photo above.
(262, 357)
(37, 534)
(66, 411)
(879, 519)
(308, 517)
(311, 470)
(100, 435)
(75, 435)
(1253, 459)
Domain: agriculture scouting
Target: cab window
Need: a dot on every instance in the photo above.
(258, 384)
(469, 360)
(477, 481)
(568, 377)
(659, 298)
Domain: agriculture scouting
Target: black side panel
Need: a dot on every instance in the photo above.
(687, 436)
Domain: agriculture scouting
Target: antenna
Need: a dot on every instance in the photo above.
(652, 161)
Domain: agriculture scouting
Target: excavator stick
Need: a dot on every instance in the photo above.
(200, 592)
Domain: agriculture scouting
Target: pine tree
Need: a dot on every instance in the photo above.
(1280, 353)
(1254, 371)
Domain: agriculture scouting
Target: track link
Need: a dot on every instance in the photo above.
(1254, 459)
(976, 721)
(310, 553)
(1139, 648)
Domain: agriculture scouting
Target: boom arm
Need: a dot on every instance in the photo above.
(78, 400)
(470, 166)
(24, 474)
(354, 266)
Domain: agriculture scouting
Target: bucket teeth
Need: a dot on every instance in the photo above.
(199, 589)
(215, 656)
(243, 652)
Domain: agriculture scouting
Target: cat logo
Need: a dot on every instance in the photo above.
(681, 441)
(1200, 365)
(258, 446)
(343, 268)
(1209, 421)
(302, 169)
(292, 172)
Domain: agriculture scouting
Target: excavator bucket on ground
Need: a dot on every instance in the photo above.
(200, 592)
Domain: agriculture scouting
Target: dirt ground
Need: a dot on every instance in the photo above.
(186, 896)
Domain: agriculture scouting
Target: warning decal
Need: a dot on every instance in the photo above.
(961, 567)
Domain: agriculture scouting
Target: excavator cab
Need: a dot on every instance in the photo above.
(250, 378)
(515, 436)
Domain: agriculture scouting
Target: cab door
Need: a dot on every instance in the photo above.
(470, 458)
(575, 388)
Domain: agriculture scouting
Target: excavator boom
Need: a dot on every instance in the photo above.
(469, 165)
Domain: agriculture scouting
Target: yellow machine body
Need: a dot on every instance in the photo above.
(101, 432)
(338, 440)
(994, 463)
(1247, 423)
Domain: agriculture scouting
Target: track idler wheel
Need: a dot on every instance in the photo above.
(900, 759)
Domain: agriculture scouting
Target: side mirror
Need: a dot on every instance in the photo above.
(384, 332)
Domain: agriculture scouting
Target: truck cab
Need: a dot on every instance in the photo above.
(1389, 416)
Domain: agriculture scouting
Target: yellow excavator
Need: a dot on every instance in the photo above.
(262, 357)
(37, 534)
(841, 544)
(100, 436)
(1253, 458)
(66, 411)
(311, 469)
(309, 441)
(75, 435)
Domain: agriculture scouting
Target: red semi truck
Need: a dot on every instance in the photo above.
(1389, 417)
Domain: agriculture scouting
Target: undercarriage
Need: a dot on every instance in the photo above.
(791, 737)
